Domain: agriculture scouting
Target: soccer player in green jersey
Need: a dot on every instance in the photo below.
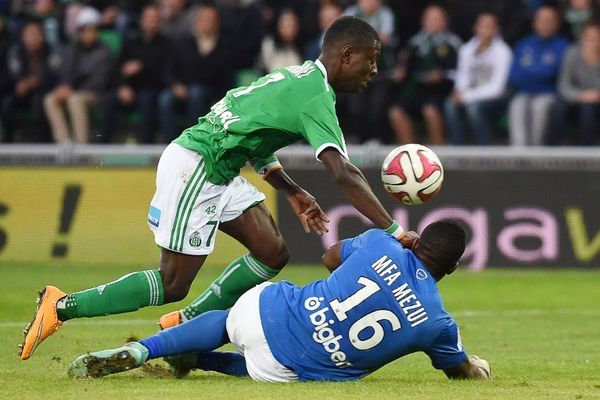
(199, 190)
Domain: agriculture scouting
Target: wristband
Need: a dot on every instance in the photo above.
(266, 170)
(269, 172)
(395, 229)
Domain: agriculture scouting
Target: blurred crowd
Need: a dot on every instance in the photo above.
(504, 72)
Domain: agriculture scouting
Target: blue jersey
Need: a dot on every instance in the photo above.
(536, 64)
(380, 304)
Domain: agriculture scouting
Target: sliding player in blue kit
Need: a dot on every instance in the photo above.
(380, 303)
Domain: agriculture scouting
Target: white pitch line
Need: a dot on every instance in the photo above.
(90, 322)
(458, 314)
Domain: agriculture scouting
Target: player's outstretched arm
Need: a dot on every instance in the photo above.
(472, 368)
(303, 203)
(355, 187)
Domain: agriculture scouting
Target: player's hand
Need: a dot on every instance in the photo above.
(484, 367)
(409, 239)
(309, 212)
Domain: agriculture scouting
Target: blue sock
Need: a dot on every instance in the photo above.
(224, 362)
(204, 333)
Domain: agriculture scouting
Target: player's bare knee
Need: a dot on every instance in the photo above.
(282, 258)
(173, 292)
(174, 289)
(275, 256)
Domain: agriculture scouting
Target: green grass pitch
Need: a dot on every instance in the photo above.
(539, 329)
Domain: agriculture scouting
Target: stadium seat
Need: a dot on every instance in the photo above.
(246, 76)
(112, 40)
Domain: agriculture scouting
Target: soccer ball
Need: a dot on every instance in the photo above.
(412, 174)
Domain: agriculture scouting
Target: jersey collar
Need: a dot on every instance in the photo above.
(320, 65)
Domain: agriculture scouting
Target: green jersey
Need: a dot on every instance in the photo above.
(250, 123)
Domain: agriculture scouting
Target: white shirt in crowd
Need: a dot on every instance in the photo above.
(272, 57)
(482, 76)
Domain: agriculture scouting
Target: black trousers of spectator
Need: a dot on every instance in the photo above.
(146, 101)
(365, 115)
(9, 114)
(195, 105)
(588, 121)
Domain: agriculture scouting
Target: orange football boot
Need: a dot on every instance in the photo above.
(170, 320)
(45, 321)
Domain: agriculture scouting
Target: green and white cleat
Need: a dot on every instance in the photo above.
(105, 362)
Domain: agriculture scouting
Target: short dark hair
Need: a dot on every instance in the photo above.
(444, 242)
(592, 24)
(351, 30)
(32, 20)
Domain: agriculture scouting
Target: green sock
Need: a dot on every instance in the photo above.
(128, 293)
(239, 276)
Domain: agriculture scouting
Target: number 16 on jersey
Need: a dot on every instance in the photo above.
(371, 320)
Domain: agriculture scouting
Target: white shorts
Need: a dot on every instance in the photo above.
(186, 209)
(246, 333)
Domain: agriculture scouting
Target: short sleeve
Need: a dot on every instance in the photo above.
(319, 125)
(349, 246)
(447, 351)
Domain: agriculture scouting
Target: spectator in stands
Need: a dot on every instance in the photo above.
(140, 78)
(243, 28)
(328, 13)
(577, 14)
(281, 50)
(408, 17)
(69, 21)
(198, 70)
(307, 12)
(363, 115)
(129, 14)
(426, 69)
(534, 72)
(109, 15)
(5, 82)
(378, 15)
(513, 16)
(579, 87)
(30, 75)
(118, 16)
(84, 73)
(482, 73)
(178, 18)
(46, 12)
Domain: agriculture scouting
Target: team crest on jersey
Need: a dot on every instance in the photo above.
(421, 274)
(195, 239)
